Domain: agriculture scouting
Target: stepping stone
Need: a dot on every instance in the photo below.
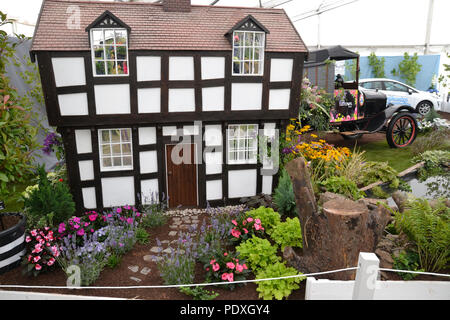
(145, 271)
(135, 279)
(151, 258)
(172, 233)
(173, 227)
(195, 221)
(177, 223)
(184, 227)
(133, 268)
(168, 250)
(166, 241)
(155, 249)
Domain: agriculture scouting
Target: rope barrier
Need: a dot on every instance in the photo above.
(181, 285)
(416, 272)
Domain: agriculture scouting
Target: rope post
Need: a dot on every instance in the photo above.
(366, 276)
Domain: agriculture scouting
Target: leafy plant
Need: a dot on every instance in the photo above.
(407, 260)
(433, 158)
(288, 233)
(258, 252)
(342, 186)
(49, 201)
(199, 293)
(277, 289)
(374, 171)
(113, 260)
(429, 229)
(269, 218)
(438, 139)
(379, 193)
(142, 236)
(408, 69)
(284, 197)
(377, 65)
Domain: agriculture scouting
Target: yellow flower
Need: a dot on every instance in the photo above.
(313, 135)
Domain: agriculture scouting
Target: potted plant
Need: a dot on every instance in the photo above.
(12, 239)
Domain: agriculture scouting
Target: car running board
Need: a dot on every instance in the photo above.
(350, 133)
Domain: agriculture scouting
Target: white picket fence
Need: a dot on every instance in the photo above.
(366, 286)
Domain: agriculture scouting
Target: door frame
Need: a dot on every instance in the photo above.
(196, 168)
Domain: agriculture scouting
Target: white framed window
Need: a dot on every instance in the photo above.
(116, 151)
(248, 52)
(242, 143)
(109, 51)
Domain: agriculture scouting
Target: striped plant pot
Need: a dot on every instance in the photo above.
(12, 243)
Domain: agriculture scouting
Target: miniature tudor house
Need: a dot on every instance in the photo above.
(123, 82)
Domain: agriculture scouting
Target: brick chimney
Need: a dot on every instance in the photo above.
(177, 5)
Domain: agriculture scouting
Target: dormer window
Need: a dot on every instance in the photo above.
(248, 38)
(248, 53)
(109, 45)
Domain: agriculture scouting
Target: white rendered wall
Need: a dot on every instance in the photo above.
(112, 98)
(149, 100)
(149, 191)
(148, 161)
(69, 71)
(267, 184)
(118, 191)
(169, 131)
(83, 141)
(190, 130)
(181, 100)
(279, 99)
(241, 183)
(213, 68)
(281, 69)
(181, 68)
(213, 162)
(86, 168)
(148, 68)
(246, 96)
(214, 190)
(213, 135)
(89, 199)
(147, 135)
(73, 104)
(213, 99)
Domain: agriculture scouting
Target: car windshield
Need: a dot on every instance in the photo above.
(346, 69)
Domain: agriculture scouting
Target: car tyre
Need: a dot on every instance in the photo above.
(424, 107)
(402, 130)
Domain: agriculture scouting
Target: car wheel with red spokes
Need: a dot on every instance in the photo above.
(402, 130)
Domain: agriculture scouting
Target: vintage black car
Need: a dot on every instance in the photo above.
(359, 111)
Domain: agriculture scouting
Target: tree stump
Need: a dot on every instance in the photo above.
(334, 236)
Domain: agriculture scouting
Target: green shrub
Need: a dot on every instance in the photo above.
(429, 229)
(342, 186)
(269, 218)
(153, 219)
(374, 171)
(258, 252)
(379, 193)
(408, 260)
(277, 289)
(438, 139)
(284, 197)
(288, 233)
(113, 260)
(433, 158)
(48, 204)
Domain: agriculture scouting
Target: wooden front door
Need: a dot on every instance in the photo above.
(181, 178)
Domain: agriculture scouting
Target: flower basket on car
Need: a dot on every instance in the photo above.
(12, 240)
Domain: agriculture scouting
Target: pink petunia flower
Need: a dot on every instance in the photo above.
(33, 233)
(234, 222)
(239, 268)
(230, 265)
(212, 261)
(216, 267)
(28, 239)
(235, 233)
(224, 276)
(245, 230)
(38, 267)
(249, 219)
(225, 254)
(36, 259)
(80, 232)
(51, 261)
(230, 277)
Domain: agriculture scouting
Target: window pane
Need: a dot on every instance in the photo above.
(111, 65)
(127, 161)
(126, 149)
(256, 53)
(100, 67)
(237, 38)
(105, 136)
(249, 39)
(109, 36)
(247, 67)
(116, 150)
(97, 37)
(107, 162)
(115, 135)
(256, 67)
(121, 36)
(259, 39)
(122, 67)
(248, 54)
(110, 54)
(125, 135)
(121, 52)
(236, 67)
(106, 150)
(98, 52)
(117, 162)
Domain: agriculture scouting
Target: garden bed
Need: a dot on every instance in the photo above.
(120, 276)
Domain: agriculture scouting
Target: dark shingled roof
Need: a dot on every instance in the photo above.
(152, 28)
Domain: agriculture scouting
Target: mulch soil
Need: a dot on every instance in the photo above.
(7, 222)
(120, 276)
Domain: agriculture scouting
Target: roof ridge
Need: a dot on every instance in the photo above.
(160, 4)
